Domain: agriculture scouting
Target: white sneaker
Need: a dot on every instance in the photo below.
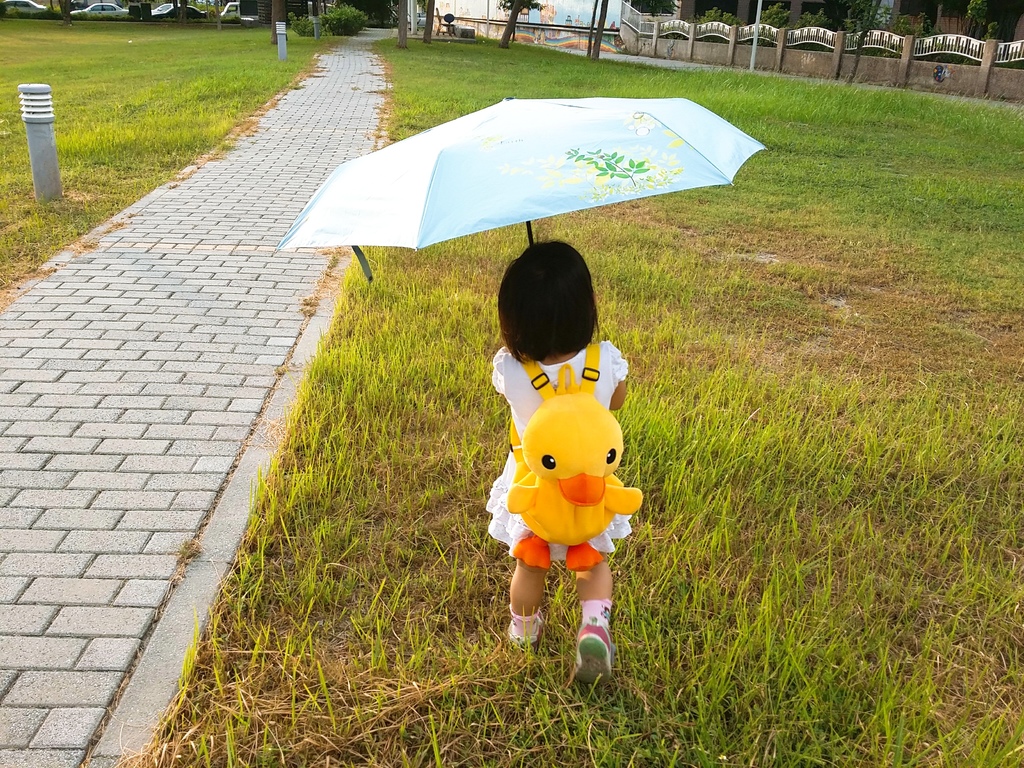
(531, 636)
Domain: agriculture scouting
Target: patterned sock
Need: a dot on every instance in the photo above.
(597, 613)
(526, 627)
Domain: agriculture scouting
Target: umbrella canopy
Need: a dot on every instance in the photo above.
(519, 160)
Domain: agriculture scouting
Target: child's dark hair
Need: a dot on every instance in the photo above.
(546, 303)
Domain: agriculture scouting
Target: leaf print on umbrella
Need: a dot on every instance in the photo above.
(610, 164)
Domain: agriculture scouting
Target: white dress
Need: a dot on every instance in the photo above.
(512, 381)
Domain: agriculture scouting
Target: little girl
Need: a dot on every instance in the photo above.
(547, 312)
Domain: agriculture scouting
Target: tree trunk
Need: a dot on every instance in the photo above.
(278, 12)
(182, 11)
(863, 26)
(65, 12)
(590, 32)
(599, 36)
(510, 27)
(403, 23)
(428, 24)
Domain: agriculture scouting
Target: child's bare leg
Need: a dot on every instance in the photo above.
(525, 596)
(527, 590)
(595, 584)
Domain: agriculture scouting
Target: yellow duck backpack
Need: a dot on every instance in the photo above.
(564, 486)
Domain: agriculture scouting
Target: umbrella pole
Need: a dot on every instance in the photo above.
(363, 262)
(529, 232)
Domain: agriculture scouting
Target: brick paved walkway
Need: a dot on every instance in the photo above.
(129, 381)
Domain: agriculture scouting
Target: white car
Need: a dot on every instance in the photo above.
(102, 9)
(24, 6)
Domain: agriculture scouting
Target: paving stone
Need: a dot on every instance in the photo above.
(25, 619)
(122, 481)
(192, 481)
(92, 621)
(51, 499)
(57, 591)
(18, 518)
(68, 728)
(41, 758)
(142, 593)
(11, 587)
(28, 652)
(154, 464)
(135, 500)
(61, 444)
(22, 540)
(84, 462)
(213, 464)
(18, 726)
(43, 564)
(11, 460)
(126, 542)
(23, 478)
(167, 543)
(109, 653)
(132, 566)
(173, 520)
(83, 519)
(62, 689)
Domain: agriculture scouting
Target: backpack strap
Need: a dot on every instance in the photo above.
(538, 379)
(591, 369)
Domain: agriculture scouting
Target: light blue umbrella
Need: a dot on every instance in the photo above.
(519, 160)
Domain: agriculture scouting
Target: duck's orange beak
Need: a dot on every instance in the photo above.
(583, 490)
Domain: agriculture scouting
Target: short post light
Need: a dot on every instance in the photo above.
(314, 13)
(37, 113)
(282, 41)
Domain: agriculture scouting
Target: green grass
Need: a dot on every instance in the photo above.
(134, 105)
(827, 569)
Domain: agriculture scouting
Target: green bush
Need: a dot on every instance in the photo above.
(3, 10)
(300, 25)
(343, 20)
(775, 16)
(717, 14)
(818, 19)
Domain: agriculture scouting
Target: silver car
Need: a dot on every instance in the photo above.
(24, 6)
(102, 9)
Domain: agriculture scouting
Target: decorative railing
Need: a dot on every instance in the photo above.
(674, 27)
(811, 36)
(1008, 52)
(768, 32)
(878, 39)
(712, 29)
(967, 47)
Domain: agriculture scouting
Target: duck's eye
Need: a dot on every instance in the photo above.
(548, 461)
(611, 456)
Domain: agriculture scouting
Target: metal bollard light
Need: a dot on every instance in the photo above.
(282, 41)
(37, 114)
(314, 14)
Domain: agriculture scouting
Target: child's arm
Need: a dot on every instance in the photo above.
(618, 397)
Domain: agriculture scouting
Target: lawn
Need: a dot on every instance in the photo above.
(824, 414)
(134, 105)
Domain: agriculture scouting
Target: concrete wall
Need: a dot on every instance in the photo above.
(811, 63)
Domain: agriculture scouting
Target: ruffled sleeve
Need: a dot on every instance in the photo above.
(498, 374)
(617, 363)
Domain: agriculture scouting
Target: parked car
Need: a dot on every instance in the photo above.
(168, 11)
(101, 9)
(23, 6)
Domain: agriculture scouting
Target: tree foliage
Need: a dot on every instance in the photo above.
(656, 7)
